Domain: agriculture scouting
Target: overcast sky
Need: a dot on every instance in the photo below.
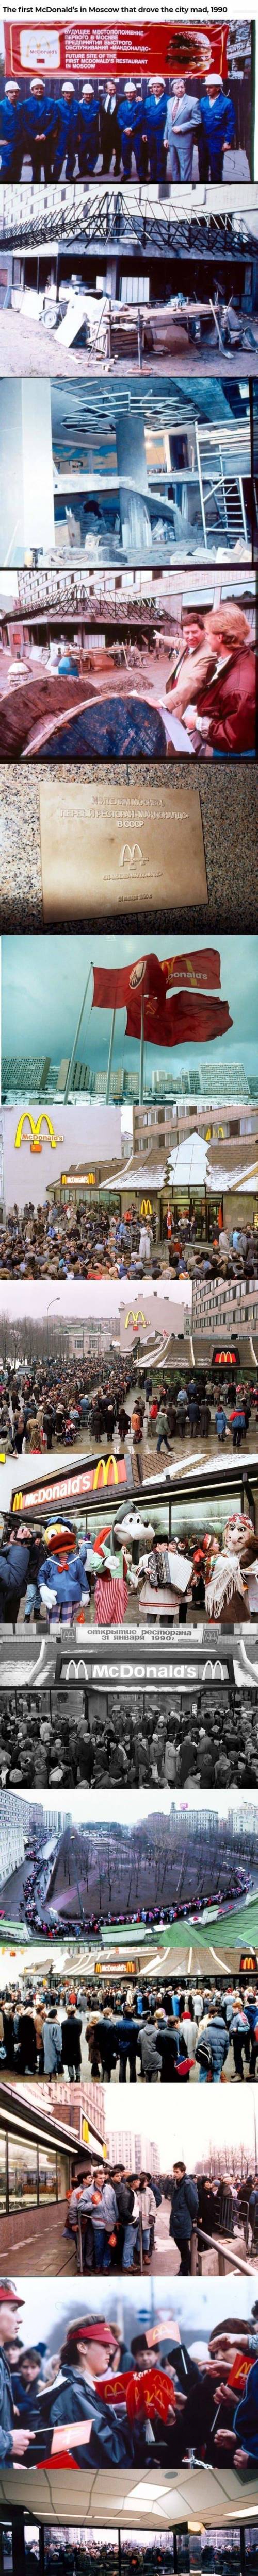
(42, 1005)
(219, 2119)
(109, 1806)
(74, 1299)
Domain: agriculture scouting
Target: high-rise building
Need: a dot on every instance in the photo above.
(138, 2154)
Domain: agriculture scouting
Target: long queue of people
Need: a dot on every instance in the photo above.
(142, 130)
(140, 2033)
(61, 1242)
(208, 1739)
(112, 2213)
(108, 2396)
(48, 1404)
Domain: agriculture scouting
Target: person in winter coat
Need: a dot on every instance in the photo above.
(220, 1422)
(183, 2214)
(27, 2058)
(238, 1421)
(218, 2042)
(240, 2035)
(71, 2044)
(162, 1430)
(75, 2399)
(246, 2419)
(14, 2440)
(52, 2045)
(151, 2059)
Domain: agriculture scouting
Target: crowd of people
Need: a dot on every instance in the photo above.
(107, 2399)
(74, 1242)
(129, 128)
(208, 1737)
(112, 2213)
(63, 1576)
(52, 1404)
(143, 2032)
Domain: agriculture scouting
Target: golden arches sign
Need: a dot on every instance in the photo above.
(35, 1140)
(102, 1475)
(131, 1318)
(146, 1207)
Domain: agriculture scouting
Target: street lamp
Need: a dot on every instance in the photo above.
(53, 1301)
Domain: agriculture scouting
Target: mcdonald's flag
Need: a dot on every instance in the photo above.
(199, 969)
(193, 1015)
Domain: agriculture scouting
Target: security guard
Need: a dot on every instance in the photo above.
(88, 131)
(217, 130)
(155, 110)
(12, 143)
(66, 146)
(40, 119)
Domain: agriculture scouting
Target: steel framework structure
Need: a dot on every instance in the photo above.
(102, 215)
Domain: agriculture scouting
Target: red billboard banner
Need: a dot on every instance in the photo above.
(96, 47)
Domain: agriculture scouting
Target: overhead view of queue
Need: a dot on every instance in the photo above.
(137, 2033)
(119, 2393)
(131, 128)
(59, 1872)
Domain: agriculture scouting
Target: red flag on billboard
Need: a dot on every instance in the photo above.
(199, 967)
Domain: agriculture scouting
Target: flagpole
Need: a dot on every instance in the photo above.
(111, 1043)
(141, 1055)
(77, 1034)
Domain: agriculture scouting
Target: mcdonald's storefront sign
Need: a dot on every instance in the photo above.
(248, 1962)
(224, 1359)
(104, 1472)
(146, 1207)
(36, 1132)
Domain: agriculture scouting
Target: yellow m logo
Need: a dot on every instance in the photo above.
(139, 1318)
(35, 1131)
(102, 1475)
(146, 1207)
(17, 1503)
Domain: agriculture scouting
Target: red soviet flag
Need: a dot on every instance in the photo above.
(199, 969)
(189, 1016)
(116, 987)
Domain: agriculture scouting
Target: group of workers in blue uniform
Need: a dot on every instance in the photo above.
(69, 132)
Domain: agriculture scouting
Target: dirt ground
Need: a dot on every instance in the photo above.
(27, 349)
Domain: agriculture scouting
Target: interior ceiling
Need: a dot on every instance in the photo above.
(92, 406)
(216, 2498)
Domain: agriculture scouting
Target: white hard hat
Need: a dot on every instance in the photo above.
(214, 80)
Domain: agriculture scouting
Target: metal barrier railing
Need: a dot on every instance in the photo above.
(226, 2261)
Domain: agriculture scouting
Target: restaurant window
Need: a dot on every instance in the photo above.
(22, 2173)
(47, 2174)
